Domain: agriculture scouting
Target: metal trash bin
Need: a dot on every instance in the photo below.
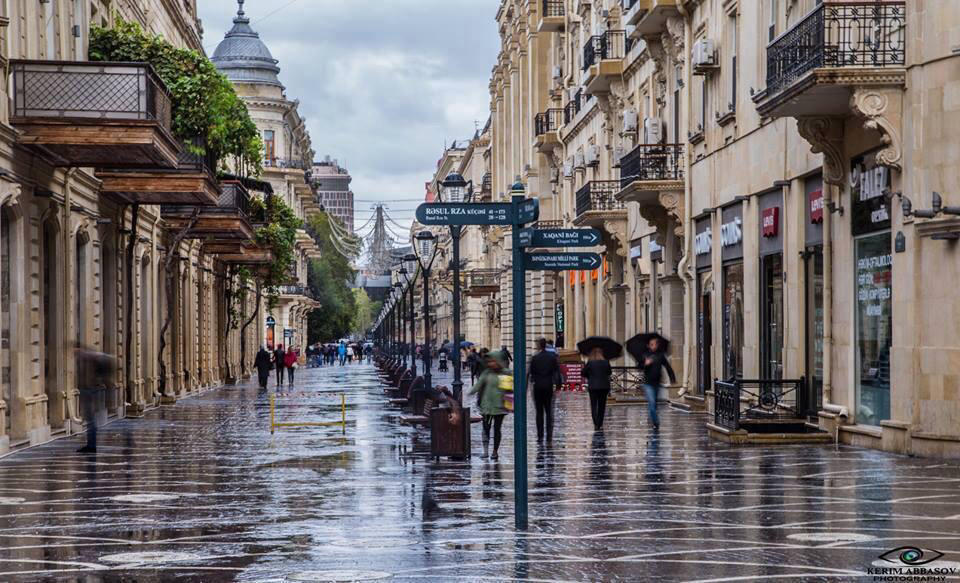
(447, 439)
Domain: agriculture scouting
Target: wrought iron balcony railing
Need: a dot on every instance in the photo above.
(285, 163)
(598, 195)
(89, 90)
(483, 278)
(548, 121)
(761, 399)
(652, 162)
(609, 45)
(553, 8)
(234, 196)
(486, 185)
(847, 34)
(572, 108)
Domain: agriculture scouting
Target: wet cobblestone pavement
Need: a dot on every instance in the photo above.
(201, 491)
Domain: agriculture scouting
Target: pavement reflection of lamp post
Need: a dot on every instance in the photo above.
(425, 244)
(409, 273)
(454, 189)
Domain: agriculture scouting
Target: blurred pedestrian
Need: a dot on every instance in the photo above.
(506, 355)
(490, 400)
(342, 353)
(94, 375)
(598, 371)
(263, 365)
(544, 369)
(278, 361)
(653, 363)
(290, 362)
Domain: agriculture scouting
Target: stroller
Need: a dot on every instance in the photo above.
(442, 367)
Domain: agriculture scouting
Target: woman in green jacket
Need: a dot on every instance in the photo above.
(490, 400)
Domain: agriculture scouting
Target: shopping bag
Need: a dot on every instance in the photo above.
(506, 387)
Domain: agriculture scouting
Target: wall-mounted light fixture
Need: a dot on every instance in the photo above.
(834, 208)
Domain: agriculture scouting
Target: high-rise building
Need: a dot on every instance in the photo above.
(332, 184)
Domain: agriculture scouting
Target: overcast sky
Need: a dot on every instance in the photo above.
(383, 83)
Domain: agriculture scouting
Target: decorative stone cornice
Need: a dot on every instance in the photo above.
(825, 136)
(672, 203)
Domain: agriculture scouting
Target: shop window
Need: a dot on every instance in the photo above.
(814, 291)
(733, 320)
(874, 273)
(704, 329)
(771, 321)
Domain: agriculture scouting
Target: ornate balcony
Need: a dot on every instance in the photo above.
(813, 68)
(649, 169)
(482, 282)
(228, 220)
(192, 182)
(603, 60)
(113, 115)
(546, 127)
(551, 16)
(238, 252)
(597, 203)
(650, 16)
(572, 108)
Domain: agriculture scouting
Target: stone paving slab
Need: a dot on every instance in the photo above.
(201, 491)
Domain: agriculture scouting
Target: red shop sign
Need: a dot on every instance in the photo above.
(771, 222)
(816, 206)
(573, 375)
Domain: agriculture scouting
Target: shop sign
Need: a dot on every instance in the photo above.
(559, 318)
(703, 243)
(770, 222)
(816, 206)
(868, 184)
(271, 321)
(731, 233)
(656, 251)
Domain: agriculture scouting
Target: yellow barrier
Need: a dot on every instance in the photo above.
(342, 422)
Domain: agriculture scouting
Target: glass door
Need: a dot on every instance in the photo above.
(771, 321)
(874, 327)
(704, 329)
(732, 321)
(814, 361)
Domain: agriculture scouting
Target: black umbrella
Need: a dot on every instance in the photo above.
(637, 345)
(610, 347)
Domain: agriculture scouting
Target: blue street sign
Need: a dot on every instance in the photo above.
(469, 213)
(528, 211)
(271, 321)
(562, 261)
(559, 237)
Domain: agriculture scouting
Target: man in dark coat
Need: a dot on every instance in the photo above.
(278, 356)
(653, 363)
(263, 365)
(544, 371)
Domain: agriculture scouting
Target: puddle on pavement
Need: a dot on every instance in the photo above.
(148, 558)
(322, 463)
(339, 576)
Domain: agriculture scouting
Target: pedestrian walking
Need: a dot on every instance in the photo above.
(278, 358)
(489, 389)
(94, 374)
(507, 355)
(650, 350)
(349, 353)
(471, 361)
(290, 362)
(544, 370)
(263, 365)
(342, 353)
(599, 350)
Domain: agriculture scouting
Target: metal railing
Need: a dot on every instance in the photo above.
(552, 8)
(486, 185)
(626, 379)
(285, 163)
(610, 45)
(652, 162)
(483, 278)
(550, 224)
(572, 108)
(598, 195)
(548, 121)
(847, 34)
(89, 91)
(760, 399)
(295, 290)
(233, 196)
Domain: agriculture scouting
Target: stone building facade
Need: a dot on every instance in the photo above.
(332, 184)
(87, 251)
(756, 169)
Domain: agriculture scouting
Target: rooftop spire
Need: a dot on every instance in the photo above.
(241, 15)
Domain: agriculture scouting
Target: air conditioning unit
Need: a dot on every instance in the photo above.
(704, 56)
(652, 130)
(568, 168)
(629, 120)
(557, 73)
(592, 156)
(578, 160)
(618, 153)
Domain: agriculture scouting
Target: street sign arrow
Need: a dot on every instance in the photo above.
(562, 261)
(477, 213)
(564, 238)
(526, 237)
(528, 211)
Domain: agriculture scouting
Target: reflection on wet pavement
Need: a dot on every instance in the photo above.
(201, 491)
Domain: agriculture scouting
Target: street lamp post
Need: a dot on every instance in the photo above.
(398, 289)
(453, 189)
(402, 273)
(409, 273)
(425, 245)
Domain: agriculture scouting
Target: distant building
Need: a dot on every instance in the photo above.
(332, 185)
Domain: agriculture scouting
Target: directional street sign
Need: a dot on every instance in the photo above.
(476, 213)
(562, 261)
(559, 237)
(529, 211)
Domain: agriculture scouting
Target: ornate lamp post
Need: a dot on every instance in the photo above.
(398, 316)
(425, 244)
(409, 273)
(454, 189)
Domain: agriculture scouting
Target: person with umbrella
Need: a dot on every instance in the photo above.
(650, 350)
(599, 351)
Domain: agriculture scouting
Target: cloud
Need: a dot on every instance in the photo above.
(384, 84)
